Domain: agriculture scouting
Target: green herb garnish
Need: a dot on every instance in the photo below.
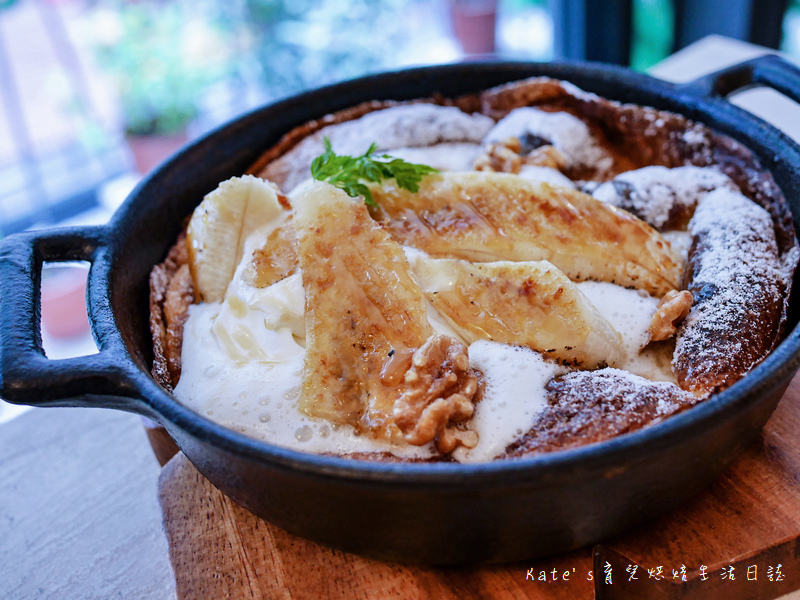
(349, 173)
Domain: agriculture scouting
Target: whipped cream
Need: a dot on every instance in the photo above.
(243, 365)
(630, 313)
(514, 396)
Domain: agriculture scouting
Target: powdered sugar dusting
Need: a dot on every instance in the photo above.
(680, 241)
(694, 136)
(660, 196)
(738, 293)
(576, 92)
(566, 132)
(547, 174)
(633, 390)
(585, 407)
(450, 156)
(409, 125)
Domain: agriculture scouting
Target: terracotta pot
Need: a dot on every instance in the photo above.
(64, 302)
(474, 23)
(149, 151)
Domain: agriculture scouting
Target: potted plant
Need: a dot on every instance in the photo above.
(474, 23)
(161, 56)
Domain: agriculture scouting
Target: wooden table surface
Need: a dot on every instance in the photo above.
(729, 541)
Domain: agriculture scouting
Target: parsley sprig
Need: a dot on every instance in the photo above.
(349, 173)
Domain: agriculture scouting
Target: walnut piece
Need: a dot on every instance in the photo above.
(672, 310)
(546, 156)
(509, 155)
(451, 438)
(500, 156)
(439, 390)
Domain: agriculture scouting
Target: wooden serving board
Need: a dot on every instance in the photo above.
(748, 521)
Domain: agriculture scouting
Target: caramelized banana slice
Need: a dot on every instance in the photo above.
(531, 304)
(276, 259)
(486, 217)
(219, 227)
(362, 306)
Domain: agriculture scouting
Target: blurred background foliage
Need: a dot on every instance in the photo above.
(166, 57)
(83, 74)
(161, 56)
(173, 59)
(297, 44)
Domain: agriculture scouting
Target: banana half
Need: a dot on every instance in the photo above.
(362, 307)
(219, 227)
(486, 217)
(529, 304)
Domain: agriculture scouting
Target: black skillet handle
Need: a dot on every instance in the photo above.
(27, 376)
(769, 70)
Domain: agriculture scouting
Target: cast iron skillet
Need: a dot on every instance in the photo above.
(427, 513)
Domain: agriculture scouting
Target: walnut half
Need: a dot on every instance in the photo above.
(439, 389)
